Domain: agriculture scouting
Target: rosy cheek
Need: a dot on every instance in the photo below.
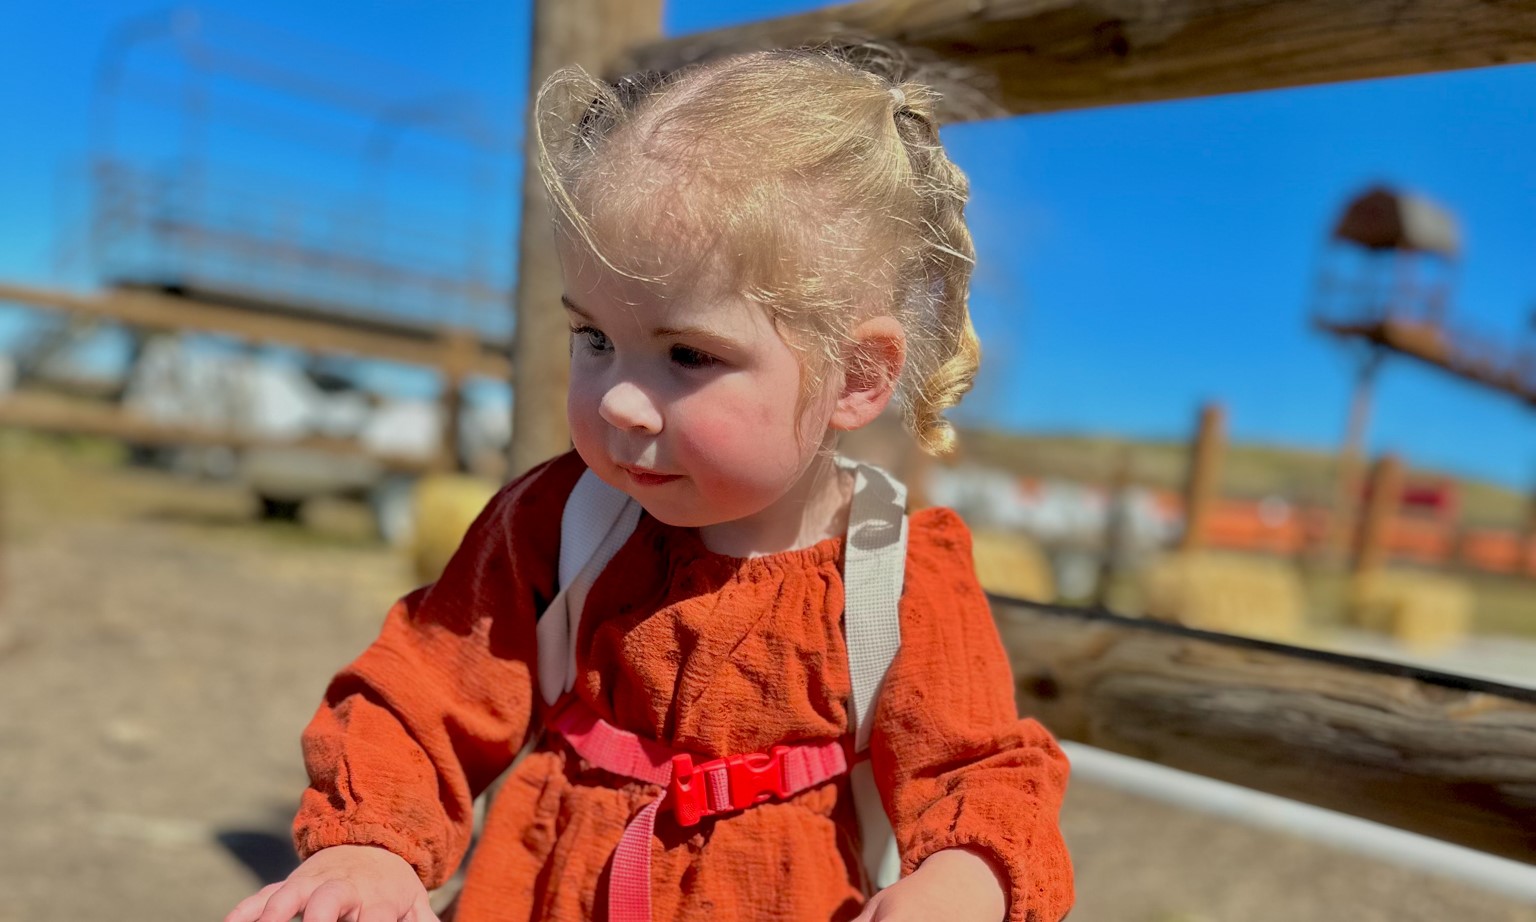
(712, 429)
(742, 431)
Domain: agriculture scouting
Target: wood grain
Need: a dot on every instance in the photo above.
(1442, 755)
(1049, 55)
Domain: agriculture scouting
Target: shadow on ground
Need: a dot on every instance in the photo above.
(267, 852)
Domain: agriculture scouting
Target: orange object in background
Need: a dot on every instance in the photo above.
(1421, 540)
(1496, 551)
(1271, 526)
(1424, 531)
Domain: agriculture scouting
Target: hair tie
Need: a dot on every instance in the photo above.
(899, 96)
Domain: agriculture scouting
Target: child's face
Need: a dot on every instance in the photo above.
(688, 403)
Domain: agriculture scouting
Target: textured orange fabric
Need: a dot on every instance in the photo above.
(706, 653)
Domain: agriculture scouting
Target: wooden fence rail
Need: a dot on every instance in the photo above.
(1446, 756)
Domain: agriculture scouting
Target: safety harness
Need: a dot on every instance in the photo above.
(598, 519)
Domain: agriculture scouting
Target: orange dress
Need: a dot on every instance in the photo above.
(710, 654)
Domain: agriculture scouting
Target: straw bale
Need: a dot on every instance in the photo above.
(1013, 565)
(1422, 610)
(1225, 592)
(445, 505)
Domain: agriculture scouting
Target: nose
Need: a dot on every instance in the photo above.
(626, 406)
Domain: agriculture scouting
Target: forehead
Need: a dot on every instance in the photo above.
(616, 298)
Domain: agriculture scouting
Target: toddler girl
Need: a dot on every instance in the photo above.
(758, 254)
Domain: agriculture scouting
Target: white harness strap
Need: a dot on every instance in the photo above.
(874, 566)
(598, 519)
(875, 561)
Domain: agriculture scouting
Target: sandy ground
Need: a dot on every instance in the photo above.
(159, 654)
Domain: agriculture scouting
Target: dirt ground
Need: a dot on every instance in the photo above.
(159, 653)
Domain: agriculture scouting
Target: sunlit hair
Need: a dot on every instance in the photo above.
(810, 182)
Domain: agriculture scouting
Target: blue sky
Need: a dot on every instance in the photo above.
(1135, 261)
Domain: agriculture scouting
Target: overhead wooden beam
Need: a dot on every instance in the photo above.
(1446, 756)
(589, 33)
(440, 349)
(1048, 55)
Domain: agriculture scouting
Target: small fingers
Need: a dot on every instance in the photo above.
(331, 901)
(287, 901)
(249, 908)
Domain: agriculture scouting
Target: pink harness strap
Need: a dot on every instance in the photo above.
(716, 786)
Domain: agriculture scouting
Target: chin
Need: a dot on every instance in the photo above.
(668, 514)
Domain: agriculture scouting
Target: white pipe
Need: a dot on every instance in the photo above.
(1157, 782)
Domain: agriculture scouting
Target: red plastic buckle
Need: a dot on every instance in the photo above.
(753, 778)
(686, 793)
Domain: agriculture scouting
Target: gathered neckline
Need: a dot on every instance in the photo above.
(686, 543)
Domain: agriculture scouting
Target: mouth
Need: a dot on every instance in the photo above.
(647, 477)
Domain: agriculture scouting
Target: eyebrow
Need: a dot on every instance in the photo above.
(662, 332)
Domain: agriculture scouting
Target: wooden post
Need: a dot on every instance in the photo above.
(1116, 522)
(1202, 486)
(1527, 562)
(589, 33)
(1380, 510)
(459, 347)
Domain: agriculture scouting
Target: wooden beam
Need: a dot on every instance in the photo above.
(588, 33)
(1446, 756)
(44, 413)
(438, 349)
(1049, 55)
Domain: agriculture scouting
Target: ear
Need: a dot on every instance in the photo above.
(872, 364)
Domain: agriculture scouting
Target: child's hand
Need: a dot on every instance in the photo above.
(960, 884)
(344, 882)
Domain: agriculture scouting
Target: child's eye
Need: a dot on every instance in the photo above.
(593, 339)
(692, 358)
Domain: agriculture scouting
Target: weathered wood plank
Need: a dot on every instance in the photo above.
(1048, 55)
(1446, 756)
(45, 413)
(433, 348)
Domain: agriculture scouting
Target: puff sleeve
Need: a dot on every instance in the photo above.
(436, 708)
(955, 764)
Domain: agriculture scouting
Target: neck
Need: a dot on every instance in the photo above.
(814, 509)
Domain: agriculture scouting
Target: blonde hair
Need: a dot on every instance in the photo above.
(812, 179)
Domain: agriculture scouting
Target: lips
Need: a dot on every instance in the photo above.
(647, 477)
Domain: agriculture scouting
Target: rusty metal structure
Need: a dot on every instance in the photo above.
(1388, 281)
(1385, 288)
(251, 185)
(259, 223)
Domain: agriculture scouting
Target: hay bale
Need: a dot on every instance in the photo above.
(1225, 592)
(1422, 610)
(444, 505)
(1013, 565)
